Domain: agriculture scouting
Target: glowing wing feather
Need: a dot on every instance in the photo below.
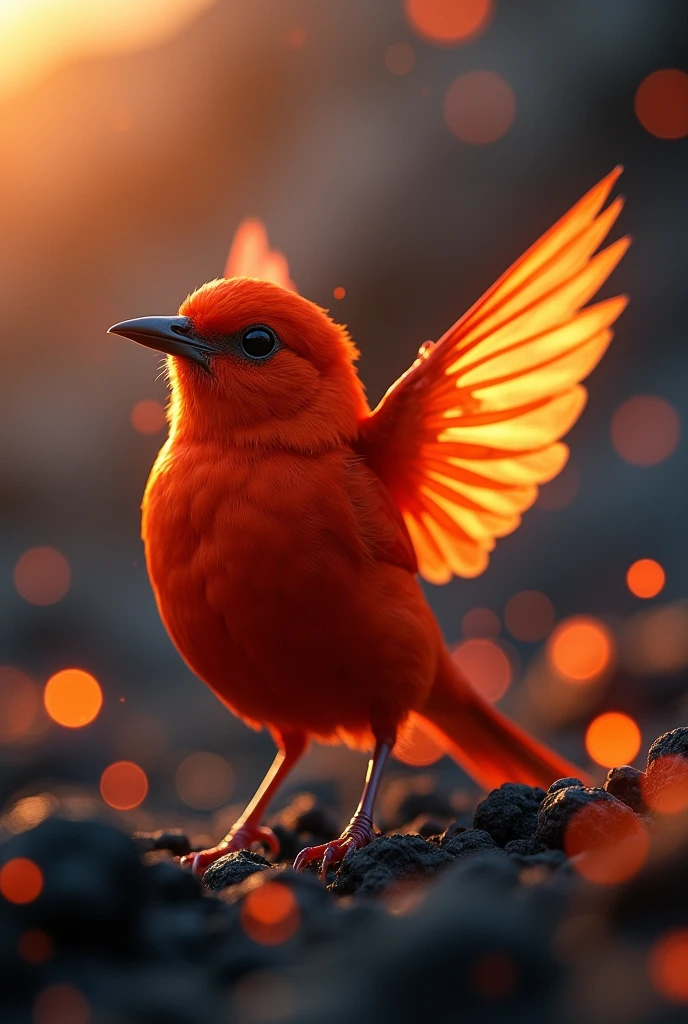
(463, 439)
(251, 256)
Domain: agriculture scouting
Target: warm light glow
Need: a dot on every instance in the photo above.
(38, 36)
(529, 615)
(661, 103)
(485, 666)
(665, 786)
(296, 37)
(21, 880)
(29, 812)
(204, 781)
(400, 58)
(339, 292)
(42, 576)
(667, 966)
(447, 22)
(560, 492)
(657, 640)
(645, 430)
(480, 622)
(479, 107)
(61, 1004)
(20, 701)
(72, 698)
(606, 849)
(123, 785)
(148, 416)
(35, 946)
(580, 649)
(415, 746)
(613, 739)
(270, 913)
(645, 578)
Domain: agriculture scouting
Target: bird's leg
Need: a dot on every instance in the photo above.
(248, 829)
(359, 832)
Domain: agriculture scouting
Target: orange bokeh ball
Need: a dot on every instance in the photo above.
(123, 785)
(529, 615)
(447, 22)
(485, 665)
(270, 913)
(20, 701)
(667, 966)
(61, 1004)
(73, 698)
(21, 880)
(399, 59)
(613, 739)
(606, 847)
(580, 649)
(479, 107)
(645, 430)
(148, 416)
(661, 103)
(480, 622)
(645, 578)
(417, 747)
(42, 576)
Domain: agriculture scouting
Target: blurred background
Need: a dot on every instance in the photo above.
(401, 153)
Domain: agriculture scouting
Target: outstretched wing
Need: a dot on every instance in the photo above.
(465, 436)
(251, 256)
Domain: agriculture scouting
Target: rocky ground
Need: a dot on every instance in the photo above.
(570, 905)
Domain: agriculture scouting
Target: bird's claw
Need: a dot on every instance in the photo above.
(357, 834)
(240, 839)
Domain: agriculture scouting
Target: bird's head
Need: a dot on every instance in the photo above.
(251, 361)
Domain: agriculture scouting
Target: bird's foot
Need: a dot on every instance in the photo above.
(357, 834)
(241, 838)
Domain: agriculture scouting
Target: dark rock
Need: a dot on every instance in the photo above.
(625, 784)
(542, 858)
(93, 883)
(177, 843)
(610, 817)
(233, 868)
(468, 843)
(455, 829)
(565, 784)
(406, 799)
(509, 812)
(523, 847)
(174, 884)
(386, 861)
(669, 744)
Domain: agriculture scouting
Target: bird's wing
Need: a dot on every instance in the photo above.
(251, 256)
(465, 436)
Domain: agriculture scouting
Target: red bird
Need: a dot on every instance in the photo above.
(285, 522)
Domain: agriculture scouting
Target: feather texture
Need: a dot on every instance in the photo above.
(465, 437)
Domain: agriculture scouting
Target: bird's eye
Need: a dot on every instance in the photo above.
(259, 342)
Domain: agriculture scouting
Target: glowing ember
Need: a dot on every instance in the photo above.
(270, 914)
(447, 22)
(204, 781)
(73, 698)
(479, 107)
(42, 576)
(20, 701)
(123, 785)
(480, 622)
(400, 58)
(529, 615)
(148, 416)
(486, 667)
(645, 430)
(607, 850)
(580, 649)
(417, 747)
(339, 292)
(61, 1004)
(613, 739)
(661, 103)
(667, 966)
(21, 880)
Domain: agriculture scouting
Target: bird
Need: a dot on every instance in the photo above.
(286, 523)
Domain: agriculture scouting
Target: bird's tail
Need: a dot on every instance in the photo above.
(487, 745)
